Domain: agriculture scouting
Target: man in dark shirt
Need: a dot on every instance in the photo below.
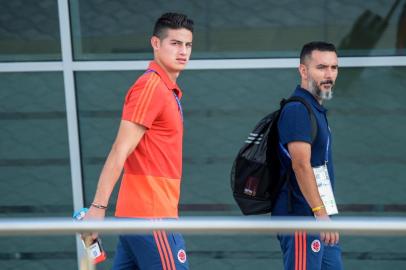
(308, 160)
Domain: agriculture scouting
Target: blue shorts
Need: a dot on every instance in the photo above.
(157, 251)
(303, 251)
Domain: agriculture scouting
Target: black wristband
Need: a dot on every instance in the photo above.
(99, 206)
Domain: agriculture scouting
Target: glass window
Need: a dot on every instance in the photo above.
(366, 115)
(222, 106)
(29, 31)
(34, 164)
(34, 144)
(243, 29)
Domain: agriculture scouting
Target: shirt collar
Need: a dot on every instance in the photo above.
(165, 78)
(299, 91)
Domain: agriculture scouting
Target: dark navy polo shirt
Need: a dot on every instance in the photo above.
(295, 125)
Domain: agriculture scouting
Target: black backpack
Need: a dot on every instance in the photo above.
(256, 176)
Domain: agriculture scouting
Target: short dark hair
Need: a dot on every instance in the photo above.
(171, 21)
(315, 46)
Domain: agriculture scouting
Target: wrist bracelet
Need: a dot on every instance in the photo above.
(318, 208)
(99, 206)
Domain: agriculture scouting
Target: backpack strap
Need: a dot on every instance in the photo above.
(313, 123)
(313, 120)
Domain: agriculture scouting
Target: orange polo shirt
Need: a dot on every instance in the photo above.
(150, 187)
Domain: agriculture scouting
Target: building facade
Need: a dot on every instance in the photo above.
(65, 67)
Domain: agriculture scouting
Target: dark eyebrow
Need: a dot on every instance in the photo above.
(175, 40)
(323, 65)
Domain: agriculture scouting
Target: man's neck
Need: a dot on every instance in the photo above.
(305, 87)
(172, 75)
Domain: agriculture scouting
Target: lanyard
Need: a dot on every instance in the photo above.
(174, 94)
(325, 156)
(179, 105)
(328, 144)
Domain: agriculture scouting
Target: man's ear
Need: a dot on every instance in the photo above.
(303, 71)
(155, 42)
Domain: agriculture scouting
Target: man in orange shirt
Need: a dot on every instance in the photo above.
(149, 148)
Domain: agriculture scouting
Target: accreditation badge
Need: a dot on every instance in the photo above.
(325, 189)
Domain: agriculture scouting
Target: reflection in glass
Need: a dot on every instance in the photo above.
(244, 29)
(365, 117)
(34, 143)
(34, 167)
(29, 31)
(221, 107)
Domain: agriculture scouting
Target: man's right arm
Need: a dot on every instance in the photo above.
(295, 132)
(300, 153)
(128, 136)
